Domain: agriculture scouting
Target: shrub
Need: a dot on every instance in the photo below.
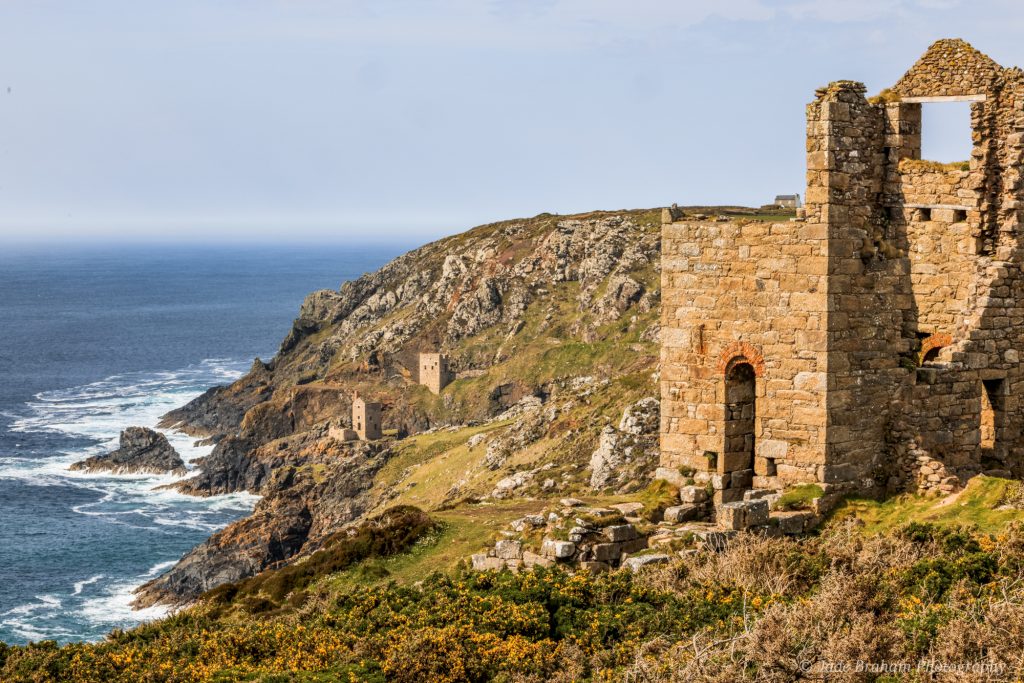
(389, 533)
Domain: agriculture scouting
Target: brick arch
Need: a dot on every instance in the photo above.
(935, 341)
(741, 351)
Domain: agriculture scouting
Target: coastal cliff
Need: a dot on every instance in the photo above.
(550, 327)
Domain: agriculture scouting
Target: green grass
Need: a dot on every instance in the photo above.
(459, 534)
(799, 497)
(656, 497)
(975, 506)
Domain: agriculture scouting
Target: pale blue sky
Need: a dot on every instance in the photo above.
(409, 119)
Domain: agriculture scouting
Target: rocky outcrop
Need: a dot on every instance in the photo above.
(623, 453)
(142, 451)
(311, 485)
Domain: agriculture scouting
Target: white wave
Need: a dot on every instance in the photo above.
(114, 606)
(94, 416)
(80, 585)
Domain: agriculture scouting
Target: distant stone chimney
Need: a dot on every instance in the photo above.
(366, 418)
(434, 372)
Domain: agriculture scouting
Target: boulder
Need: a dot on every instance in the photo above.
(643, 417)
(606, 459)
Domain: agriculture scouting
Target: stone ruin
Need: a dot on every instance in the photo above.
(433, 371)
(366, 419)
(873, 343)
(366, 422)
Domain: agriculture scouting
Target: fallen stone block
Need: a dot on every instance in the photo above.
(572, 502)
(481, 562)
(628, 509)
(693, 495)
(559, 550)
(635, 546)
(605, 552)
(757, 512)
(508, 550)
(681, 513)
(535, 560)
(715, 540)
(620, 532)
(640, 561)
(743, 514)
(791, 522)
(732, 516)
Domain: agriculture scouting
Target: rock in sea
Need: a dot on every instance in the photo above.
(142, 451)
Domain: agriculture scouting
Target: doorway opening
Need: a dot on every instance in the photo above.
(740, 414)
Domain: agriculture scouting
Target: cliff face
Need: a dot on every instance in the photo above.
(549, 325)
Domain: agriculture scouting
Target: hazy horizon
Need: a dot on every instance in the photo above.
(378, 122)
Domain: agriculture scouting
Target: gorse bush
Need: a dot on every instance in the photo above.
(764, 609)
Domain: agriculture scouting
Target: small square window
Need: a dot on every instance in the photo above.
(924, 214)
(959, 215)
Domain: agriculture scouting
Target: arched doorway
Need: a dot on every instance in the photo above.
(740, 413)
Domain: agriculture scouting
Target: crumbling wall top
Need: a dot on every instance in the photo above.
(950, 68)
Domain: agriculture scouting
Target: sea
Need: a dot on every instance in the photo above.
(96, 338)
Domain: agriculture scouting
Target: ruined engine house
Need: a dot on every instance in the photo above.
(874, 343)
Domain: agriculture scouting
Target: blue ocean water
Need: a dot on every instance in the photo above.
(95, 339)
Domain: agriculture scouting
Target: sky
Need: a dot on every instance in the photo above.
(380, 120)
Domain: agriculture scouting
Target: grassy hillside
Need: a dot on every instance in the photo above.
(899, 582)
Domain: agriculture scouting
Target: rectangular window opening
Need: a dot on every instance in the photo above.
(946, 132)
(959, 215)
(924, 214)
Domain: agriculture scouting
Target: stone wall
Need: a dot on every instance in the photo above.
(750, 292)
